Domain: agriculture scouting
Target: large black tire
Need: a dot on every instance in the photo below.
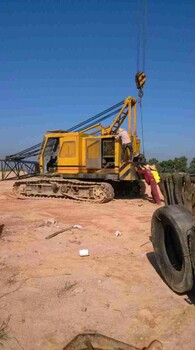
(170, 232)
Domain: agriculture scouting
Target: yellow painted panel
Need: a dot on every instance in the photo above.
(69, 153)
(125, 172)
(118, 150)
(68, 149)
(93, 149)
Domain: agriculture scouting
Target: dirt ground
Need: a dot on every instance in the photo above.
(49, 294)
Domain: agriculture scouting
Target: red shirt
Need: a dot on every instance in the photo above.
(147, 175)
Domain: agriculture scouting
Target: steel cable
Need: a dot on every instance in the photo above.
(95, 117)
(102, 118)
(142, 126)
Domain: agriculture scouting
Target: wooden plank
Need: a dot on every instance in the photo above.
(193, 199)
(178, 189)
(163, 188)
(187, 193)
(178, 182)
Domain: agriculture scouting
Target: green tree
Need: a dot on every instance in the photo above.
(191, 168)
(167, 166)
(176, 165)
(153, 161)
(180, 164)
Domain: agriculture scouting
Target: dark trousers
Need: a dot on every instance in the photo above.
(124, 147)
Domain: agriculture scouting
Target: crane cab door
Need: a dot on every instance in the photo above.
(93, 153)
(50, 155)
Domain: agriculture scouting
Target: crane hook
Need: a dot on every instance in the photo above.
(140, 79)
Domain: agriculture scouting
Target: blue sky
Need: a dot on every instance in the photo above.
(63, 61)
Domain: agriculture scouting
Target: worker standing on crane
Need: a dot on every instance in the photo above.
(126, 144)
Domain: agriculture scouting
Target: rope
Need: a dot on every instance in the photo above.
(141, 53)
(144, 34)
(141, 34)
(138, 34)
(101, 119)
(35, 150)
(82, 124)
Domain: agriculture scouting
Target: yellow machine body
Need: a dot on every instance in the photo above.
(92, 153)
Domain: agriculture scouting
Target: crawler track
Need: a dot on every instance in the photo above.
(56, 187)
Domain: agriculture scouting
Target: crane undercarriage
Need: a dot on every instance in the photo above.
(58, 187)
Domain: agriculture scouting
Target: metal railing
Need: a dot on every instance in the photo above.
(17, 169)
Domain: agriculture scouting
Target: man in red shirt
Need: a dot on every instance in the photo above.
(149, 178)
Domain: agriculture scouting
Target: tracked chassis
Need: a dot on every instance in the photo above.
(56, 187)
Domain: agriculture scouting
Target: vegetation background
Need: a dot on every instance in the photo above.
(174, 165)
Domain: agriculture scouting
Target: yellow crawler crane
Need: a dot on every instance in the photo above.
(85, 164)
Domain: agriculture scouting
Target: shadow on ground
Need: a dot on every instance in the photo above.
(1, 229)
(153, 262)
(189, 297)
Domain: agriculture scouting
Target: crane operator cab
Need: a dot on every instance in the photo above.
(50, 155)
(59, 151)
